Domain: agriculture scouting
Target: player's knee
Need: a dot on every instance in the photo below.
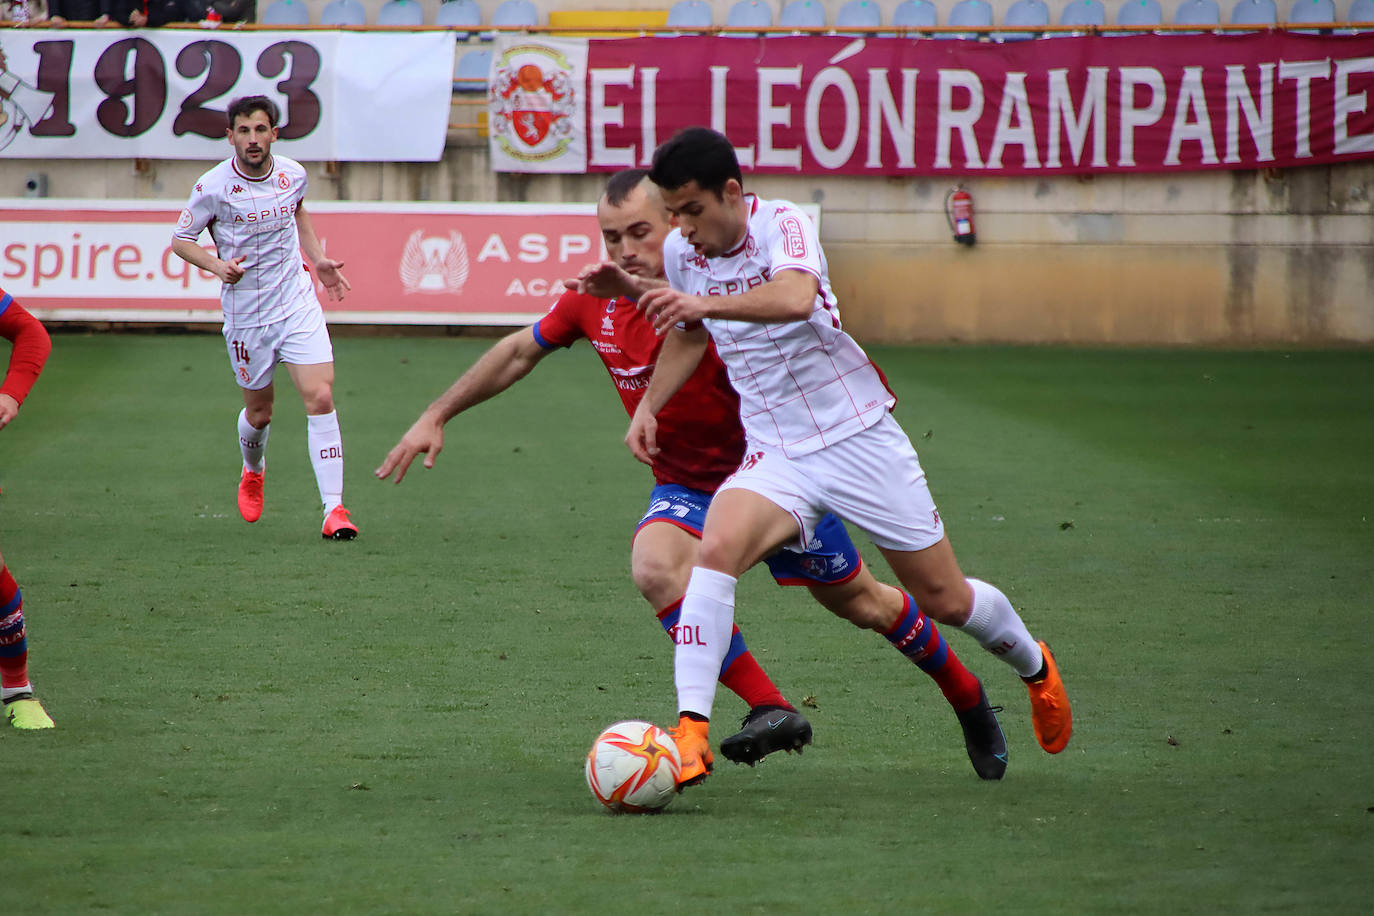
(948, 605)
(723, 556)
(319, 401)
(661, 583)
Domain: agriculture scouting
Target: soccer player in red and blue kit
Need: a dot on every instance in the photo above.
(701, 443)
(31, 348)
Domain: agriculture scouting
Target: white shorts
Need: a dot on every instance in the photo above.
(873, 480)
(300, 339)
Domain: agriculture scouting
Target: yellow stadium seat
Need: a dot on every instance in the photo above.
(594, 23)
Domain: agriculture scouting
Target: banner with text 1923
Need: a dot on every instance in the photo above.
(348, 96)
(1071, 105)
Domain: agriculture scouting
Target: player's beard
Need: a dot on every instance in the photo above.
(261, 167)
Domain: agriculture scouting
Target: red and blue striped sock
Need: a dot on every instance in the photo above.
(916, 636)
(14, 648)
(740, 672)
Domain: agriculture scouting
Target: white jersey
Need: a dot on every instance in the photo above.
(802, 385)
(254, 217)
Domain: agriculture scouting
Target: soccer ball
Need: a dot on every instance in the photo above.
(633, 767)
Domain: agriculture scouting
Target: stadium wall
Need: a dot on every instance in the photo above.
(1204, 258)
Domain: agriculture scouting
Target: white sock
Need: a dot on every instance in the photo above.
(705, 627)
(7, 693)
(252, 442)
(326, 455)
(1000, 630)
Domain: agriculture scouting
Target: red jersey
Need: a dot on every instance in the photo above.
(700, 439)
(31, 347)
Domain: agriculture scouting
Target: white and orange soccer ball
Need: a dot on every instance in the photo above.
(633, 767)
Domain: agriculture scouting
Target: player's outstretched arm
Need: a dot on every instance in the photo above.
(508, 361)
(336, 285)
(30, 353)
(677, 359)
(790, 295)
(608, 280)
(425, 436)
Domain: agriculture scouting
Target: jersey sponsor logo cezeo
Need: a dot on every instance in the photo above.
(794, 242)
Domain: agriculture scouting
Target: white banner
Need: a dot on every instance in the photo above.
(153, 93)
(536, 104)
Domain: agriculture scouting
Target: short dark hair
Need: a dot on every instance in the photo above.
(695, 154)
(242, 108)
(620, 185)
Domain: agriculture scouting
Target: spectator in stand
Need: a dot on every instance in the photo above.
(21, 12)
(236, 10)
(152, 13)
(60, 12)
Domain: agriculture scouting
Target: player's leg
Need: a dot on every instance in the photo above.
(982, 611)
(869, 603)
(253, 359)
(842, 583)
(315, 382)
(741, 528)
(255, 424)
(309, 357)
(22, 708)
(664, 551)
(875, 480)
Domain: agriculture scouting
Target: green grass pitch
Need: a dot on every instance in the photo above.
(253, 720)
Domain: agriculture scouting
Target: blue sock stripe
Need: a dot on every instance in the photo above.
(904, 626)
(937, 658)
(907, 643)
(12, 641)
(736, 649)
(13, 603)
(670, 619)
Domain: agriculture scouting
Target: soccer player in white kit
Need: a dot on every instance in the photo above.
(253, 205)
(817, 418)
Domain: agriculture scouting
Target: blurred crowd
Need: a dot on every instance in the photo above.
(124, 13)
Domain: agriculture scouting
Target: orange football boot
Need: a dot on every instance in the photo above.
(1050, 712)
(694, 746)
(338, 526)
(250, 494)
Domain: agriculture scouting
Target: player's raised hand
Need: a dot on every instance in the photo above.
(605, 280)
(642, 437)
(425, 435)
(335, 283)
(233, 270)
(665, 307)
(9, 409)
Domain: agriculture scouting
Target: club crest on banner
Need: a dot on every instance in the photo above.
(535, 105)
(20, 103)
(434, 264)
